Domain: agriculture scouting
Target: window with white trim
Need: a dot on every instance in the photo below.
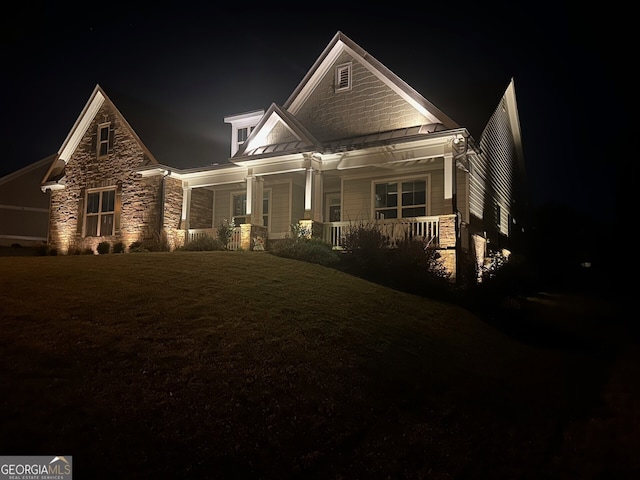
(265, 208)
(100, 212)
(402, 199)
(242, 134)
(103, 139)
(239, 208)
(343, 77)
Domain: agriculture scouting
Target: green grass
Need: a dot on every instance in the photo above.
(246, 365)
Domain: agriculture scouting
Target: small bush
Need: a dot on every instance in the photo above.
(366, 247)
(225, 232)
(312, 250)
(137, 247)
(104, 248)
(118, 247)
(415, 267)
(201, 244)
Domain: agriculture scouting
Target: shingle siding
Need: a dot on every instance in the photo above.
(370, 106)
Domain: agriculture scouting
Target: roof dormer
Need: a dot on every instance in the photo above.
(242, 125)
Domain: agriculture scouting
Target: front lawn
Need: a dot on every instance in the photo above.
(247, 365)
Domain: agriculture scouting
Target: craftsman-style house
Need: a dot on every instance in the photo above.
(353, 143)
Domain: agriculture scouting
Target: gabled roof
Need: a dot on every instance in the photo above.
(266, 140)
(96, 100)
(298, 139)
(341, 43)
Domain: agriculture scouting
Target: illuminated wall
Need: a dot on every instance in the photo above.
(139, 200)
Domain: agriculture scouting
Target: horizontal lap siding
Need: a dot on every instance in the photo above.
(221, 206)
(279, 215)
(297, 206)
(356, 200)
(438, 205)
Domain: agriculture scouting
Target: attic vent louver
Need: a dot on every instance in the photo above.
(343, 77)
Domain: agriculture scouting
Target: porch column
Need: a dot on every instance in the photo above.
(250, 183)
(448, 176)
(186, 207)
(316, 206)
(308, 189)
(257, 209)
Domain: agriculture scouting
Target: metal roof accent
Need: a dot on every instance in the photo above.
(351, 143)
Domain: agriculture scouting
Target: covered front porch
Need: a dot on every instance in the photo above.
(436, 231)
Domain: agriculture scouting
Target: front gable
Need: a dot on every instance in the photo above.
(278, 132)
(348, 93)
(91, 144)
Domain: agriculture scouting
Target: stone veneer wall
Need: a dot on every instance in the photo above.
(447, 244)
(447, 231)
(172, 224)
(84, 170)
(201, 212)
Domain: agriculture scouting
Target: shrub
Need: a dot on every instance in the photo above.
(416, 267)
(137, 247)
(103, 248)
(118, 247)
(366, 247)
(312, 250)
(203, 244)
(225, 232)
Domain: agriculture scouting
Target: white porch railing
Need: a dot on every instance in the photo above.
(195, 233)
(397, 229)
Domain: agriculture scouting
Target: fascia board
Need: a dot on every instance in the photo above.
(81, 125)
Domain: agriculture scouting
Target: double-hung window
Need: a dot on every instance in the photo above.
(100, 212)
(103, 139)
(404, 199)
(239, 208)
(242, 135)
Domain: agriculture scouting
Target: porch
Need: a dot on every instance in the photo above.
(397, 229)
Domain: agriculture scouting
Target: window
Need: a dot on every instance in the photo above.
(343, 77)
(401, 199)
(100, 213)
(103, 139)
(265, 209)
(333, 207)
(239, 207)
(243, 134)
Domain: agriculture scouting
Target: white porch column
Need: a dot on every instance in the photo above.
(308, 189)
(250, 182)
(186, 207)
(259, 194)
(448, 176)
(316, 206)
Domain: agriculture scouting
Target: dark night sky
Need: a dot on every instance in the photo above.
(198, 63)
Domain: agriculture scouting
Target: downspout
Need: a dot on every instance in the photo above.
(162, 199)
(454, 205)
